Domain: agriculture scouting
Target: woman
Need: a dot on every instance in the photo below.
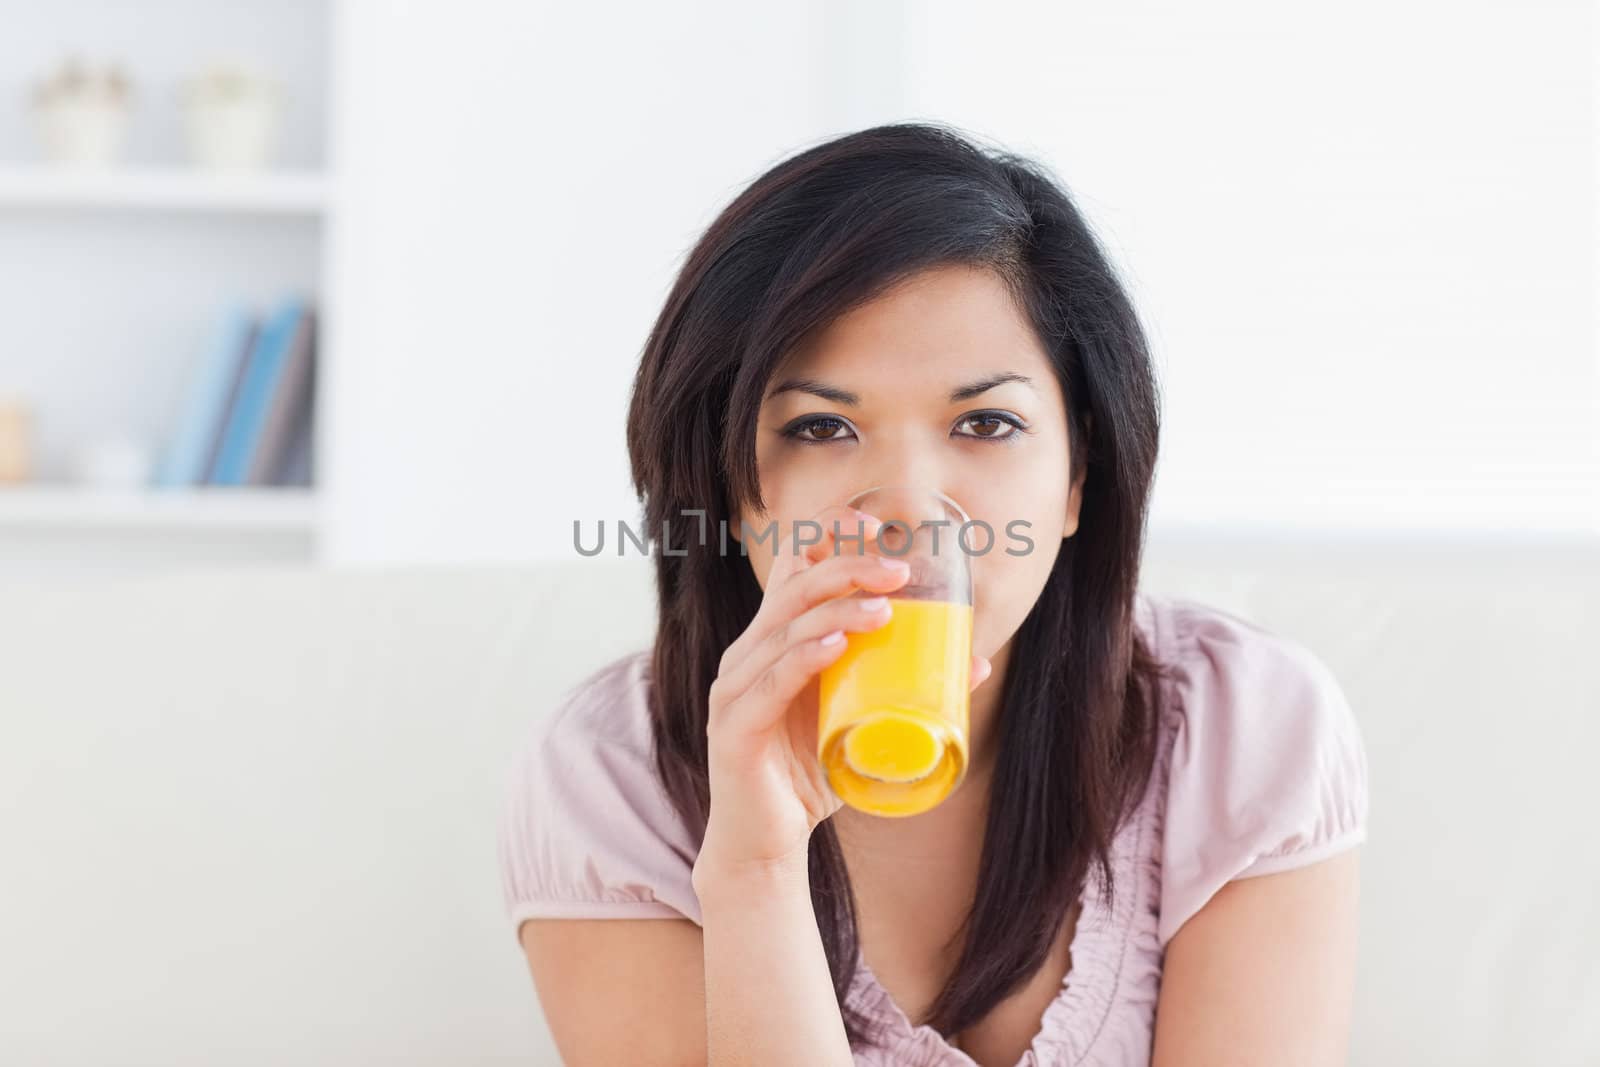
(1152, 857)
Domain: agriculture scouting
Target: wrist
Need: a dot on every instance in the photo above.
(717, 875)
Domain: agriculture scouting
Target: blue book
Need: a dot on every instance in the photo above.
(187, 457)
(268, 357)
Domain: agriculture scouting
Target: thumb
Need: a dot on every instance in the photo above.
(981, 669)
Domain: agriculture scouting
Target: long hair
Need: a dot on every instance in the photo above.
(816, 235)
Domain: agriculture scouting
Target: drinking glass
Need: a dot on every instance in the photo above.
(893, 708)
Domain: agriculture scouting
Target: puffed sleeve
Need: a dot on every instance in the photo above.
(586, 830)
(1268, 768)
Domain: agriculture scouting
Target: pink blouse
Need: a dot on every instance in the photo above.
(1261, 768)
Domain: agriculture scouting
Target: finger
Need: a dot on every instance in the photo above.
(981, 669)
(775, 610)
(830, 579)
(821, 582)
(767, 700)
(851, 614)
(834, 525)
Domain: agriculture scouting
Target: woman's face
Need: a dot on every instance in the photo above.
(1001, 453)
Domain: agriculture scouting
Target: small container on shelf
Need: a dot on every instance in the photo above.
(116, 463)
(81, 113)
(16, 433)
(231, 117)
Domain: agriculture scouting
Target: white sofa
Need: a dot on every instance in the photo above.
(248, 815)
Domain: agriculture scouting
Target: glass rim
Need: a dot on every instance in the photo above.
(926, 490)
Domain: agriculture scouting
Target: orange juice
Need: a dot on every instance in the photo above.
(892, 729)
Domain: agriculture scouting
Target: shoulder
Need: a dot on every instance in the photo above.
(1267, 768)
(587, 830)
(609, 705)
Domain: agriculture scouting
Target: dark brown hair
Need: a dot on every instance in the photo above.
(819, 233)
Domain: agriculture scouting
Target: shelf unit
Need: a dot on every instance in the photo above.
(162, 189)
(117, 274)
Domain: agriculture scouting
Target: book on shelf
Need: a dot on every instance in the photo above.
(248, 415)
(188, 453)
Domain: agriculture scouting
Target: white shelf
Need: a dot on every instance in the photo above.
(244, 510)
(184, 190)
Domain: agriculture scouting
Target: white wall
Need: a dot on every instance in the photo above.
(1364, 241)
(519, 187)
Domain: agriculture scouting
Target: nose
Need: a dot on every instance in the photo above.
(922, 527)
(913, 504)
(909, 476)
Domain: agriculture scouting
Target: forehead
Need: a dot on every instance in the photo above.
(941, 324)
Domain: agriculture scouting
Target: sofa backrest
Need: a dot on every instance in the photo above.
(248, 815)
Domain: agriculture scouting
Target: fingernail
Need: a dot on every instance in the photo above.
(833, 638)
(874, 603)
(897, 565)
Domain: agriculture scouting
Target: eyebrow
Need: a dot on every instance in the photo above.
(849, 399)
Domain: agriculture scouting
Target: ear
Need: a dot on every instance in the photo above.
(1075, 495)
(1074, 503)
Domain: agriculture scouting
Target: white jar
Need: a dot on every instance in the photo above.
(116, 462)
(82, 130)
(232, 124)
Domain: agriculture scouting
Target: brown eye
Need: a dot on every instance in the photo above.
(991, 426)
(818, 430)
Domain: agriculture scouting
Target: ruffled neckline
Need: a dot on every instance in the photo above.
(1071, 1022)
